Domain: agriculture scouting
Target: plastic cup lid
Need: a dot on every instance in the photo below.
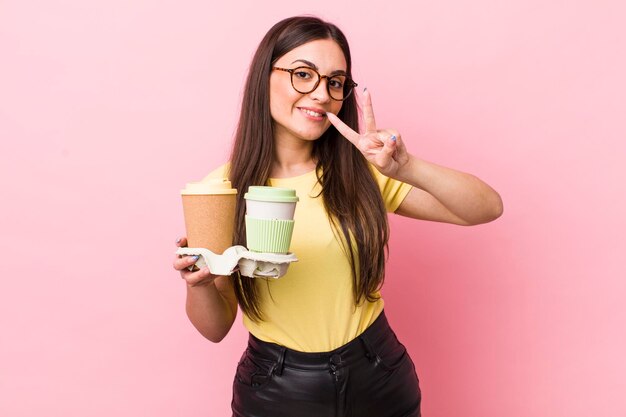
(272, 194)
(212, 186)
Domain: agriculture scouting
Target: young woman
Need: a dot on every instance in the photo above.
(320, 344)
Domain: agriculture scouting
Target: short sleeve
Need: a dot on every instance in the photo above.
(220, 172)
(393, 191)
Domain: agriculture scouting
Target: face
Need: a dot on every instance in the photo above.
(298, 116)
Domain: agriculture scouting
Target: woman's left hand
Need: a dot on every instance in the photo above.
(383, 148)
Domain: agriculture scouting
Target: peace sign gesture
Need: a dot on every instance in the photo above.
(382, 148)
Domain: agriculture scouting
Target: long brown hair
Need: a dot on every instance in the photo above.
(349, 190)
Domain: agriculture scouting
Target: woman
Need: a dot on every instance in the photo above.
(320, 344)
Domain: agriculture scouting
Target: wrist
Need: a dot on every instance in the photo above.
(407, 171)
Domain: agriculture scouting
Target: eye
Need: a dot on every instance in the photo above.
(303, 73)
(336, 83)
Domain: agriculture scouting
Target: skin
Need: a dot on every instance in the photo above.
(295, 132)
(438, 194)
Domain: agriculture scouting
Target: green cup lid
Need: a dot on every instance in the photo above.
(273, 194)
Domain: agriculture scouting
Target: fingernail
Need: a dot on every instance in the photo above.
(393, 138)
(196, 257)
(178, 240)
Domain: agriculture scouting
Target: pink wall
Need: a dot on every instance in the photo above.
(108, 107)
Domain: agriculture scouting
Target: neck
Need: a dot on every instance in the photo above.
(292, 158)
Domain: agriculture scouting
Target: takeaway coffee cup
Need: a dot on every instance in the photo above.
(269, 218)
(209, 209)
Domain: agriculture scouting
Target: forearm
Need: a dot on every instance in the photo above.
(463, 194)
(209, 312)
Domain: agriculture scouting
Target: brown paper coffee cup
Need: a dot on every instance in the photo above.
(209, 209)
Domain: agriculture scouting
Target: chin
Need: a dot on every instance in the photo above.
(315, 135)
(311, 138)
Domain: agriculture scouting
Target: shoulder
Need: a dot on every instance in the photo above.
(381, 179)
(392, 191)
(223, 171)
(384, 182)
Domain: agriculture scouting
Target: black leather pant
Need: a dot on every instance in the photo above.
(372, 375)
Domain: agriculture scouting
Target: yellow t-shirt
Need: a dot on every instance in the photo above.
(311, 308)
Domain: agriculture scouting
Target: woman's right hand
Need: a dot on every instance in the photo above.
(182, 263)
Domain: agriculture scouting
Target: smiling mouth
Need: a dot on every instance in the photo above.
(313, 113)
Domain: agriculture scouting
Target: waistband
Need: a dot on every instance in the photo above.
(355, 350)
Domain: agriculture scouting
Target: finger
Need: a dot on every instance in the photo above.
(368, 112)
(202, 276)
(343, 128)
(196, 275)
(185, 262)
(385, 156)
(181, 242)
(399, 143)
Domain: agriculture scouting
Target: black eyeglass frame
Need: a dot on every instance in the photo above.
(348, 81)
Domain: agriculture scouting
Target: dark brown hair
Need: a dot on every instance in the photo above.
(349, 190)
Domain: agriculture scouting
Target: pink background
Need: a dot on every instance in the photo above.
(107, 108)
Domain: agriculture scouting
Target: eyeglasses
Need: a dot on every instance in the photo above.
(305, 80)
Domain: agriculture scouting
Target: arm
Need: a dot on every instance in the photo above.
(439, 193)
(211, 302)
(446, 195)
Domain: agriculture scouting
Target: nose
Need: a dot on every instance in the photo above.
(321, 91)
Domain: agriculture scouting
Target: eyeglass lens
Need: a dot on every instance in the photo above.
(305, 80)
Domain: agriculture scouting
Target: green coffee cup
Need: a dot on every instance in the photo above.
(269, 218)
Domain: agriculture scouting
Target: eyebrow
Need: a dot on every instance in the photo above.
(312, 65)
